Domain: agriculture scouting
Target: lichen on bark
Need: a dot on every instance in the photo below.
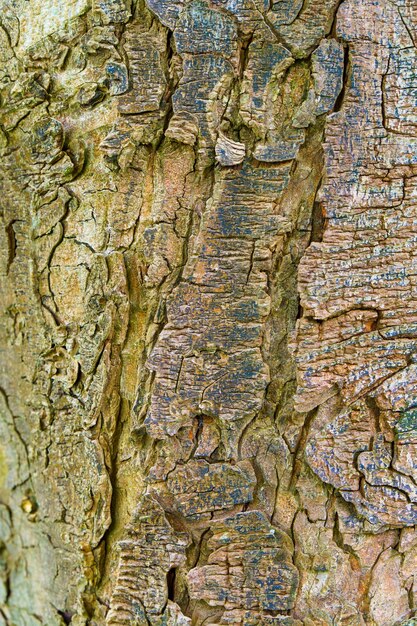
(207, 337)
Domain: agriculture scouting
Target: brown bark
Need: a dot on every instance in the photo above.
(208, 330)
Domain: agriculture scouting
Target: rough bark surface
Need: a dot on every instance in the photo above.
(208, 329)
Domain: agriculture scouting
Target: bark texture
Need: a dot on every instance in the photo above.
(208, 332)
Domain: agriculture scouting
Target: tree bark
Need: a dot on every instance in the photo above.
(208, 332)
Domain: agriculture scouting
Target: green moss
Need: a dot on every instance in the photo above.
(406, 424)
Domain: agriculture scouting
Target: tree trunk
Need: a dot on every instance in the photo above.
(209, 288)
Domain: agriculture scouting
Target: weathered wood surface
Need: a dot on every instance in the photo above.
(208, 328)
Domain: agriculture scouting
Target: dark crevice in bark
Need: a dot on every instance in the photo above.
(318, 223)
(11, 237)
(347, 70)
(171, 576)
(66, 616)
(300, 448)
